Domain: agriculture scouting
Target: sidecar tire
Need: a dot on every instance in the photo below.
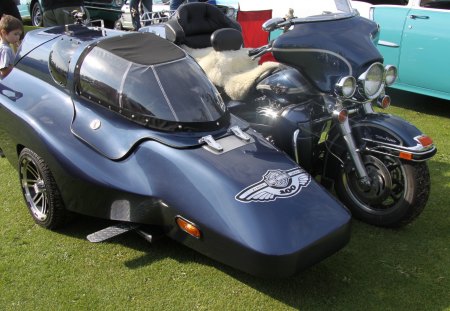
(409, 204)
(40, 191)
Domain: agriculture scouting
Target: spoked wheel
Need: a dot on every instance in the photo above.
(397, 194)
(36, 14)
(40, 191)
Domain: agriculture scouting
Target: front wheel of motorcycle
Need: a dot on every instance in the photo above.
(397, 194)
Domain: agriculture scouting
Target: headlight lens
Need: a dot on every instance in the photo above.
(371, 81)
(346, 87)
(391, 74)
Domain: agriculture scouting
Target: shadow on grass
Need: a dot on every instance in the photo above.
(403, 269)
(380, 269)
(421, 103)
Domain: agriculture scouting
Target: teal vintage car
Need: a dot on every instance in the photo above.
(107, 10)
(415, 37)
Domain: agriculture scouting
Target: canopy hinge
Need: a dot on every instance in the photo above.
(211, 142)
(237, 131)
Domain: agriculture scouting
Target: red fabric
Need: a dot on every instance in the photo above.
(251, 23)
(267, 58)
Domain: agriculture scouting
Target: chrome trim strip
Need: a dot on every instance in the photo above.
(424, 155)
(389, 44)
(300, 50)
(96, 8)
(417, 149)
(294, 144)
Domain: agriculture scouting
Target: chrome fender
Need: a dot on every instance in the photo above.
(378, 133)
(387, 134)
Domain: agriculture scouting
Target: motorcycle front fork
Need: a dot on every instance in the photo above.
(355, 156)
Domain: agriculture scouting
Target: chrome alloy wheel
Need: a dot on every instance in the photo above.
(40, 191)
(34, 188)
(36, 15)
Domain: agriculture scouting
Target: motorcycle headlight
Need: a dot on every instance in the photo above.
(390, 74)
(371, 81)
(346, 87)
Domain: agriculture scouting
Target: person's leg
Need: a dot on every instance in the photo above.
(135, 17)
(148, 5)
(49, 19)
(174, 4)
(10, 8)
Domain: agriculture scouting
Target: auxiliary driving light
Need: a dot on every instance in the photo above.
(384, 101)
(390, 74)
(346, 87)
(371, 81)
(188, 227)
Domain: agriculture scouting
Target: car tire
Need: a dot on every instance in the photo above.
(36, 14)
(40, 191)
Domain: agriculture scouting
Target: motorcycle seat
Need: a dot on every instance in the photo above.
(233, 71)
(215, 42)
(194, 23)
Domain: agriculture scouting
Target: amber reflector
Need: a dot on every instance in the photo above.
(385, 102)
(188, 227)
(425, 140)
(342, 116)
(405, 155)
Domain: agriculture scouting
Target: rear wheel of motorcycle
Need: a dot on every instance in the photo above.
(398, 192)
(40, 191)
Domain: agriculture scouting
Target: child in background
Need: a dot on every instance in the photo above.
(11, 30)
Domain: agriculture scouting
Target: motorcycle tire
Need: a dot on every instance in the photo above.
(398, 192)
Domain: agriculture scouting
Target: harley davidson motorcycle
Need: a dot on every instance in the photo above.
(316, 102)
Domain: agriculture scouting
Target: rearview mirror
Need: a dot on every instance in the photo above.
(272, 24)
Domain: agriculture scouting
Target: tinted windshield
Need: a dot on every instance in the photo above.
(164, 94)
(176, 91)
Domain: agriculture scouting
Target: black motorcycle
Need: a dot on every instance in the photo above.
(316, 103)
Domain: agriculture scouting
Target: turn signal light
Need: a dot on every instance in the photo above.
(405, 155)
(341, 115)
(188, 227)
(425, 140)
(384, 101)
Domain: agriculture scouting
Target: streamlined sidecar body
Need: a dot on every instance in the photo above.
(127, 127)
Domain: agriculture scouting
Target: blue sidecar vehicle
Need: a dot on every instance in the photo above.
(127, 127)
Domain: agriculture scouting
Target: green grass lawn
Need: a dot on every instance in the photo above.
(380, 269)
